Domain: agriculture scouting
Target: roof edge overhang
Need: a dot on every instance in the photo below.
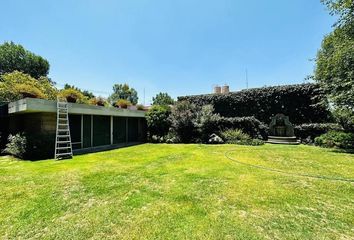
(34, 105)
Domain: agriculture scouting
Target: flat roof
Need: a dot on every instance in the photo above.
(33, 105)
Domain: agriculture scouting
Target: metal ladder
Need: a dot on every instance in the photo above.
(63, 147)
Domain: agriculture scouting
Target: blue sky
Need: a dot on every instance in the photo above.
(181, 47)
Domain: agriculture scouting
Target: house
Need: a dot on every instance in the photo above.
(92, 128)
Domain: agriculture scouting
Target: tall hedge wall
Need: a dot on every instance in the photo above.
(301, 102)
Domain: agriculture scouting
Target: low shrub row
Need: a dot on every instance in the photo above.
(308, 132)
(336, 139)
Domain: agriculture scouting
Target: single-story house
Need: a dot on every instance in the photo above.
(92, 128)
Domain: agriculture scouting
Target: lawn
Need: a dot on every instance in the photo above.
(180, 192)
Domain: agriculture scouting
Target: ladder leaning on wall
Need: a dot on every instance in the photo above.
(63, 147)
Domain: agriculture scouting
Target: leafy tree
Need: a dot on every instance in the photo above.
(15, 57)
(335, 60)
(344, 9)
(157, 119)
(123, 91)
(183, 118)
(162, 99)
(18, 85)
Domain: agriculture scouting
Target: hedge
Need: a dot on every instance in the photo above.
(303, 103)
(308, 132)
(249, 125)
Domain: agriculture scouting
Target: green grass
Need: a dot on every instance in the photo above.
(180, 192)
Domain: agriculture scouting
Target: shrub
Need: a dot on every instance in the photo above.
(206, 122)
(28, 91)
(234, 135)
(303, 103)
(249, 125)
(345, 117)
(237, 136)
(183, 117)
(98, 101)
(336, 139)
(308, 132)
(72, 96)
(158, 122)
(140, 107)
(17, 85)
(122, 103)
(16, 145)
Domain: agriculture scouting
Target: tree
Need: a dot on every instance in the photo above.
(183, 118)
(18, 85)
(162, 99)
(15, 57)
(335, 60)
(157, 119)
(123, 91)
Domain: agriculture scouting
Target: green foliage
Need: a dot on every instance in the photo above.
(303, 103)
(343, 9)
(336, 139)
(206, 122)
(249, 125)
(140, 107)
(98, 101)
(86, 93)
(237, 136)
(345, 117)
(16, 145)
(123, 103)
(309, 131)
(15, 57)
(162, 99)
(335, 62)
(157, 119)
(73, 96)
(17, 85)
(183, 117)
(335, 69)
(123, 91)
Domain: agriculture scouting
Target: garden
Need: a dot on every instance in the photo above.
(205, 169)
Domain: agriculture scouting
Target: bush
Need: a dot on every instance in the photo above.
(336, 139)
(122, 103)
(345, 117)
(183, 117)
(249, 125)
(98, 101)
(16, 145)
(308, 132)
(140, 107)
(237, 136)
(158, 122)
(303, 103)
(72, 96)
(17, 85)
(206, 123)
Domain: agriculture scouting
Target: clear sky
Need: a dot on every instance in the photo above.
(181, 47)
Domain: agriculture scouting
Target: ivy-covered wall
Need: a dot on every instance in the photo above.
(303, 103)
